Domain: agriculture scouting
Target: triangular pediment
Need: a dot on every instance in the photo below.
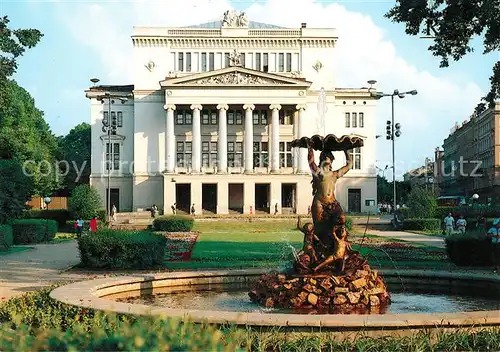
(234, 76)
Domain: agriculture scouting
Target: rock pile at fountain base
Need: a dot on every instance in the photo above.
(358, 289)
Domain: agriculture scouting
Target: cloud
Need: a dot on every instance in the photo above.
(363, 52)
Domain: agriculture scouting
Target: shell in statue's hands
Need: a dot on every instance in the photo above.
(329, 143)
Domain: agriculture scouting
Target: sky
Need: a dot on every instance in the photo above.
(85, 39)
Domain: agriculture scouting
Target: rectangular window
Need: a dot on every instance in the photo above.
(213, 118)
(226, 59)
(265, 67)
(211, 61)
(281, 62)
(205, 146)
(189, 147)
(239, 118)
(113, 118)
(361, 116)
(264, 157)
(213, 159)
(239, 147)
(180, 159)
(179, 118)
(288, 62)
(263, 118)
(180, 147)
(354, 119)
(255, 117)
(257, 62)
(356, 156)
(347, 119)
(205, 117)
(203, 62)
(119, 120)
(286, 156)
(189, 160)
(230, 118)
(282, 117)
(180, 61)
(113, 156)
(105, 118)
(188, 118)
(205, 160)
(213, 147)
(188, 62)
(230, 147)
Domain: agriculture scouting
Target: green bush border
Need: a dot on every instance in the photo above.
(173, 223)
(422, 224)
(6, 237)
(471, 250)
(27, 231)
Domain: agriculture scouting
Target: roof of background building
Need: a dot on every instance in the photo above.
(251, 25)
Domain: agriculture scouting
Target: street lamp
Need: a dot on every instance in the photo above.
(47, 201)
(393, 131)
(109, 126)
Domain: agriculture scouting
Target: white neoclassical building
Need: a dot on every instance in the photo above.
(211, 115)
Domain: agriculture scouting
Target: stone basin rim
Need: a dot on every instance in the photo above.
(87, 294)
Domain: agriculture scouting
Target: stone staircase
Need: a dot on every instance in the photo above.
(139, 220)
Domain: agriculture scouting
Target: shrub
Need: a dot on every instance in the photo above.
(85, 202)
(471, 250)
(113, 249)
(101, 214)
(61, 216)
(348, 223)
(422, 203)
(173, 223)
(27, 231)
(6, 238)
(15, 190)
(422, 224)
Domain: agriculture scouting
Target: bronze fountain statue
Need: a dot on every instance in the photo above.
(328, 275)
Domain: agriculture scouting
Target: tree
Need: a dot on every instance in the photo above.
(26, 137)
(84, 202)
(15, 190)
(13, 43)
(422, 204)
(74, 149)
(454, 24)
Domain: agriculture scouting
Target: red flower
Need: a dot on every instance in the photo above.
(84, 312)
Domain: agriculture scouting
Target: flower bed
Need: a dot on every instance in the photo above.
(179, 246)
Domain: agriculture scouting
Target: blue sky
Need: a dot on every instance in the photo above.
(84, 39)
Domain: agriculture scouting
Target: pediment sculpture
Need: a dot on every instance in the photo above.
(235, 58)
(235, 78)
(232, 19)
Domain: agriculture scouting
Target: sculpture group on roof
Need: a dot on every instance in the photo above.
(233, 19)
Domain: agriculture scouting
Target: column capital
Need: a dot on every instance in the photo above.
(301, 107)
(169, 107)
(222, 107)
(275, 107)
(196, 107)
(249, 107)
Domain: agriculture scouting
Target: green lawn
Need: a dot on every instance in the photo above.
(267, 244)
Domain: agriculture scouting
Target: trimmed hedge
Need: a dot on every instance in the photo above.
(173, 223)
(117, 249)
(422, 224)
(471, 250)
(6, 237)
(61, 216)
(27, 231)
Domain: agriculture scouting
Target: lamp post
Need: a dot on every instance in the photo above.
(109, 126)
(47, 201)
(393, 131)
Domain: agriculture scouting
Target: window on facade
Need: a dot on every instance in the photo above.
(281, 62)
(356, 156)
(180, 61)
(188, 117)
(213, 118)
(179, 117)
(234, 154)
(209, 154)
(288, 62)
(265, 67)
(354, 119)
(183, 117)
(286, 157)
(226, 59)
(188, 62)
(263, 117)
(260, 154)
(203, 62)
(257, 62)
(347, 119)
(113, 156)
(239, 118)
(255, 117)
(211, 61)
(205, 117)
(105, 118)
(119, 119)
(361, 117)
(286, 117)
(230, 118)
(184, 154)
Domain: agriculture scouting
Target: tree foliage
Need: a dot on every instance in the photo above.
(75, 149)
(84, 202)
(454, 24)
(422, 204)
(15, 190)
(13, 43)
(385, 191)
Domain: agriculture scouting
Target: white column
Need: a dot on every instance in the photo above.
(248, 137)
(170, 138)
(275, 141)
(222, 141)
(196, 137)
(303, 167)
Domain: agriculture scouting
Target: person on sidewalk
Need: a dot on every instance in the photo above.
(79, 226)
(93, 224)
(461, 225)
(193, 210)
(494, 233)
(113, 213)
(448, 224)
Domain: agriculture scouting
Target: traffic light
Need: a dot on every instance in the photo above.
(397, 128)
(113, 120)
(388, 135)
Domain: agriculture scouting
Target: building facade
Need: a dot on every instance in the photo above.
(470, 160)
(211, 115)
(422, 176)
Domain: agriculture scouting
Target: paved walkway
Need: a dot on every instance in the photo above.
(434, 241)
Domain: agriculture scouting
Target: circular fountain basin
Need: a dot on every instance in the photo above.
(219, 299)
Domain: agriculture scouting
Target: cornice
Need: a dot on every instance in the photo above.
(242, 42)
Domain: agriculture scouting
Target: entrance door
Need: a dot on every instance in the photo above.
(236, 192)
(209, 198)
(288, 198)
(262, 197)
(114, 197)
(183, 197)
(354, 200)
